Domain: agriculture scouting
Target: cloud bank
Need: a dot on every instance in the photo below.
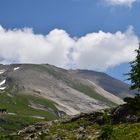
(96, 51)
(121, 2)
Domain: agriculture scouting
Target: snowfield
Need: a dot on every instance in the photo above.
(16, 68)
(2, 71)
(3, 82)
(2, 88)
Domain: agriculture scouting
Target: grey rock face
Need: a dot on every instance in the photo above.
(72, 92)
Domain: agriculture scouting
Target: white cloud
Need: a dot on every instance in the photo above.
(121, 2)
(97, 51)
(103, 50)
(23, 46)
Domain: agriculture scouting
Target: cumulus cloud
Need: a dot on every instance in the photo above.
(103, 50)
(96, 51)
(23, 46)
(121, 2)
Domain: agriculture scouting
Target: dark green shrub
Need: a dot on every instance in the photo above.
(106, 132)
(106, 118)
(134, 103)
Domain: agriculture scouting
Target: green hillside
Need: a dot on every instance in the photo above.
(20, 114)
(83, 128)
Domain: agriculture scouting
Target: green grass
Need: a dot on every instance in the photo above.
(70, 131)
(126, 132)
(14, 123)
(18, 104)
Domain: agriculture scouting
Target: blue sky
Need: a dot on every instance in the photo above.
(76, 17)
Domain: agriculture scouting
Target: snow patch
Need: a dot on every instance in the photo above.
(2, 71)
(2, 88)
(16, 68)
(3, 82)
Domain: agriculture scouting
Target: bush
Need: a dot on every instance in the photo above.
(106, 118)
(106, 132)
(134, 103)
(107, 129)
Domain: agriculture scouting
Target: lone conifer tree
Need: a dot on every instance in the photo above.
(134, 74)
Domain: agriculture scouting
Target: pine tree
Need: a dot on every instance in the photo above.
(134, 74)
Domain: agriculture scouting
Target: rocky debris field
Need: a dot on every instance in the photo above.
(86, 126)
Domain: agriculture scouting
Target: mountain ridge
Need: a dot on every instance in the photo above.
(71, 92)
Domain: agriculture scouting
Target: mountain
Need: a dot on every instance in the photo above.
(107, 82)
(70, 91)
(32, 93)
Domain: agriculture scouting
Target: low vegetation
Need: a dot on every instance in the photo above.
(84, 128)
(21, 114)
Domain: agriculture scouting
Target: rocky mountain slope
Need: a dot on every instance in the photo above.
(107, 82)
(119, 123)
(71, 92)
(33, 93)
